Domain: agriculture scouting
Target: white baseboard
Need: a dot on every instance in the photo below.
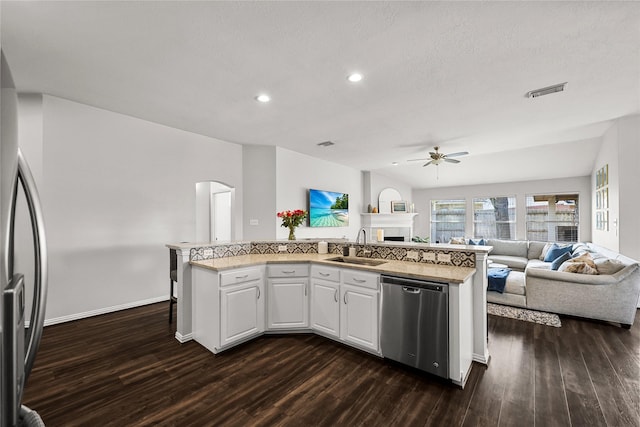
(184, 338)
(100, 311)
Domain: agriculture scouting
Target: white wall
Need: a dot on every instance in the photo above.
(608, 155)
(377, 183)
(581, 185)
(620, 150)
(629, 204)
(259, 177)
(296, 173)
(116, 190)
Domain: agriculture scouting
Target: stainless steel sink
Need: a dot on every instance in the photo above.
(356, 260)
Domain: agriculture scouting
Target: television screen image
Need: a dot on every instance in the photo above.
(328, 209)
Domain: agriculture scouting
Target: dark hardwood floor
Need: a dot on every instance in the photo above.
(126, 369)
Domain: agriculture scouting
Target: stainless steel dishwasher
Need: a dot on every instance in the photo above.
(415, 323)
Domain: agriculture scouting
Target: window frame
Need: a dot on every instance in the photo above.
(432, 222)
(513, 223)
(575, 222)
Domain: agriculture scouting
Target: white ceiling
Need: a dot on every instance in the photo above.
(452, 74)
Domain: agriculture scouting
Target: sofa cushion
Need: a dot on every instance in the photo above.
(556, 263)
(608, 266)
(536, 263)
(515, 262)
(516, 248)
(555, 251)
(515, 284)
(535, 249)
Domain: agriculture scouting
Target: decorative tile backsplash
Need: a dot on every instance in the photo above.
(399, 253)
(219, 251)
(293, 247)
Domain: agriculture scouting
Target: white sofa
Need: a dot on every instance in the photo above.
(532, 284)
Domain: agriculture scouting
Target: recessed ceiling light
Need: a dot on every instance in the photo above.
(263, 97)
(545, 90)
(355, 77)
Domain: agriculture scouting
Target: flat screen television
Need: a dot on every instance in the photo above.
(328, 209)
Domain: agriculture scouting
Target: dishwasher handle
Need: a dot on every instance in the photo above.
(411, 290)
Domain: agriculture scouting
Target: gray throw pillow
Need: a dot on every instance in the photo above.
(608, 266)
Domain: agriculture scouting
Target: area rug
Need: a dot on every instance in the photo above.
(540, 317)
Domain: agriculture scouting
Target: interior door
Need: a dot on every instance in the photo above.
(221, 216)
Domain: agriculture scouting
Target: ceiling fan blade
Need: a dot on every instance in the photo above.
(461, 153)
(452, 160)
(431, 153)
(417, 160)
(428, 163)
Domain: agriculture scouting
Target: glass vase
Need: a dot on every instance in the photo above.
(292, 233)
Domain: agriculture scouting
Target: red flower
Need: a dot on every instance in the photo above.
(292, 218)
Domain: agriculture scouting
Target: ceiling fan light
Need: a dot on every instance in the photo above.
(436, 161)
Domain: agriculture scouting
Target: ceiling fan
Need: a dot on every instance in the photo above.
(435, 158)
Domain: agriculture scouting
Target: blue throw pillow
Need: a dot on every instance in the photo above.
(477, 242)
(555, 251)
(558, 261)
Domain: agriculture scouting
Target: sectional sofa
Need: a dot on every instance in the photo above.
(610, 295)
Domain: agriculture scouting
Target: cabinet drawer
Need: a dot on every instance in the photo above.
(326, 273)
(288, 270)
(239, 276)
(358, 278)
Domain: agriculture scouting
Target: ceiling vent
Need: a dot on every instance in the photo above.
(545, 90)
(326, 144)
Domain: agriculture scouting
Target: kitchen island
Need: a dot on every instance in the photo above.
(261, 269)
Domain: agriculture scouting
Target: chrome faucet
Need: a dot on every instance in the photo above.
(364, 233)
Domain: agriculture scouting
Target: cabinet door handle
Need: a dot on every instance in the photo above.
(345, 297)
(305, 290)
(335, 295)
(355, 279)
(242, 277)
(288, 271)
(324, 274)
(258, 292)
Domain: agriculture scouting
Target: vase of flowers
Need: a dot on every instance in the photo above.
(292, 219)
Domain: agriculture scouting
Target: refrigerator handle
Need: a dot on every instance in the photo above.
(36, 321)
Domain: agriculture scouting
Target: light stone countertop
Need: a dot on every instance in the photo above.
(412, 245)
(416, 270)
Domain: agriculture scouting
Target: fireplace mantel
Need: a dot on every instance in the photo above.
(393, 224)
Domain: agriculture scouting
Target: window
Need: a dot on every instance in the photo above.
(447, 219)
(494, 218)
(552, 217)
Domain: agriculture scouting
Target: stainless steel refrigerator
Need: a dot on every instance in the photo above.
(18, 344)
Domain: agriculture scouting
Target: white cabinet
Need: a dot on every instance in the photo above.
(344, 306)
(359, 313)
(325, 301)
(288, 296)
(228, 306)
(241, 311)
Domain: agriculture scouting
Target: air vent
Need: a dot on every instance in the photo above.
(545, 90)
(326, 144)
